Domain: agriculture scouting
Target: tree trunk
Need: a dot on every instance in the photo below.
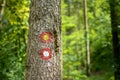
(86, 38)
(44, 44)
(2, 6)
(69, 7)
(115, 24)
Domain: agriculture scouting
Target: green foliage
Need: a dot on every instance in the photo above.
(73, 43)
(13, 39)
(74, 55)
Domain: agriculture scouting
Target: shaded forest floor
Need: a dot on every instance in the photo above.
(102, 76)
(98, 75)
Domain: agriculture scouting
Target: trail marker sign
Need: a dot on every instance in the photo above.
(46, 37)
(46, 53)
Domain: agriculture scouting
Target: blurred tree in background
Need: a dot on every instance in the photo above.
(74, 55)
(13, 40)
(115, 24)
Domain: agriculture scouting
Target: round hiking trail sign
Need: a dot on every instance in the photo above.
(46, 53)
(46, 37)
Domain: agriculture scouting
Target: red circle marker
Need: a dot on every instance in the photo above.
(46, 37)
(46, 53)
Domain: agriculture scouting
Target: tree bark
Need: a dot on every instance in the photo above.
(44, 17)
(86, 38)
(115, 24)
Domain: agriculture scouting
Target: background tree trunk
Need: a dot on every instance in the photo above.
(2, 6)
(44, 17)
(86, 38)
(115, 24)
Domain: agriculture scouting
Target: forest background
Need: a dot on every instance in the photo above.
(14, 34)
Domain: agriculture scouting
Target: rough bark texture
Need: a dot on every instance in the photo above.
(44, 17)
(115, 24)
(86, 38)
